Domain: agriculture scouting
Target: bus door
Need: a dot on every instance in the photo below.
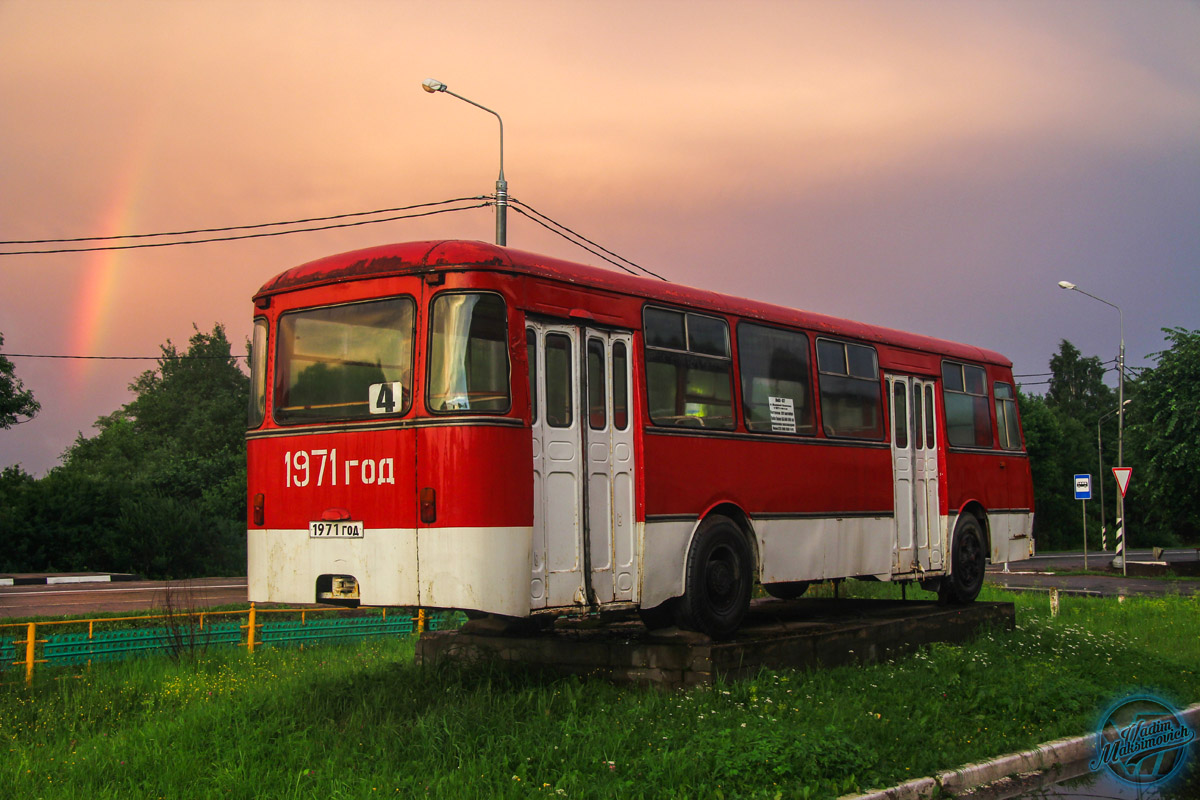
(918, 543)
(584, 546)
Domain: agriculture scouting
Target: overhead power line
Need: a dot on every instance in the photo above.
(572, 236)
(124, 358)
(486, 202)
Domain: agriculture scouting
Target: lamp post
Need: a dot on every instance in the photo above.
(433, 86)
(1121, 537)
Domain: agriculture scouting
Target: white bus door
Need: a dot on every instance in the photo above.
(583, 500)
(915, 475)
(612, 545)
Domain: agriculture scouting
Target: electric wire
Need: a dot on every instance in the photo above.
(124, 358)
(557, 224)
(242, 236)
(553, 230)
(1046, 374)
(196, 231)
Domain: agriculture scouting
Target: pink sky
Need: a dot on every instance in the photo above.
(936, 167)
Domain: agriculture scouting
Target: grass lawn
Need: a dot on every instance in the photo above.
(361, 720)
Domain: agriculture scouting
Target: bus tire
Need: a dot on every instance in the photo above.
(789, 590)
(968, 561)
(719, 579)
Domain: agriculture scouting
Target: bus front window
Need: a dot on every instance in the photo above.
(468, 353)
(345, 362)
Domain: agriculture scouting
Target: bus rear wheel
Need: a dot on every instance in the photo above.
(968, 560)
(719, 579)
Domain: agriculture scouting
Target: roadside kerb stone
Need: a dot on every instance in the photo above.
(973, 776)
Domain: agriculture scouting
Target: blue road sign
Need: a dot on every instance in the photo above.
(1083, 487)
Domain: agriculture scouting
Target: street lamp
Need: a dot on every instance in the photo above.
(432, 86)
(1121, 535)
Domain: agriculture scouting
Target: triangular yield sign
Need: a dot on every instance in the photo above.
(1122, 475)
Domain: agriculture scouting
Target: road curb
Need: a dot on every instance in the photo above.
(972, 776)
(14, 579)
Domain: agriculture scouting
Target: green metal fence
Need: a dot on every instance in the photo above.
(24, 645)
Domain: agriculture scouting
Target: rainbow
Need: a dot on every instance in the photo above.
(99, 279)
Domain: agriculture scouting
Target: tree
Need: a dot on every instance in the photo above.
(1060, 436)
(160, 489)
(1077, 387)
(1165, 433)
(15, 400)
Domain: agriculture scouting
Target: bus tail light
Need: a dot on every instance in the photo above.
(259, 500)
(428, 505)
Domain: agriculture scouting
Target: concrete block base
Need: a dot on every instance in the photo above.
(796, 634)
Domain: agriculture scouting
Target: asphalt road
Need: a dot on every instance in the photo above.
(1040, 573)
(96, 598)
(93, 598)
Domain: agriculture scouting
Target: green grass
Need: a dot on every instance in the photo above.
(361, 720)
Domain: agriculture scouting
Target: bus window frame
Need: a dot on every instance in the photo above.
(734, 405)
(255, 419)
(990, 403)
(508, 355)
(1016, 416)
(881, 397)
(813, 422)
(407, 408)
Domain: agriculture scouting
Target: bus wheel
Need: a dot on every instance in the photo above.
(968, 560)
(719, 579)
(787, 591)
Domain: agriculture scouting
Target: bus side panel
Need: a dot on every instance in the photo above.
(687, 474)
(819, 511)
(1000, 481)
(476, 549)
(363, 476)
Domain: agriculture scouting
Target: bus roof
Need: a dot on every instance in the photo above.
(431, 256)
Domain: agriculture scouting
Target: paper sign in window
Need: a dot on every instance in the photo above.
(783, 414)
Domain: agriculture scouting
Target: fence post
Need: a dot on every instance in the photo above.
(30, 648)
(250, 630)
(420, 620)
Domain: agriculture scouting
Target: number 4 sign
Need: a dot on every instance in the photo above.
(1122, 474)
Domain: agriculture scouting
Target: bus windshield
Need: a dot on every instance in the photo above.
(345, 362)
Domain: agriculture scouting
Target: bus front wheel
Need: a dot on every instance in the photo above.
(719, 579)
(968, 560)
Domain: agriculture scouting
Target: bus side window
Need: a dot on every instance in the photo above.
(258, 375)
(964, 392)
(689, 371)
(775, 379)
(1006, 417)
(468, 353)
(849, 380)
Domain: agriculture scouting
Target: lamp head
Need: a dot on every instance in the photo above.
(1061, 284)
(433, 85)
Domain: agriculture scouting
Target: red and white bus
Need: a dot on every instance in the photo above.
(455, 424)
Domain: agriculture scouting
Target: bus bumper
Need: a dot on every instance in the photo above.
(480, 569)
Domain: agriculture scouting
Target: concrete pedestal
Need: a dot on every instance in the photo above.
(797, 634)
